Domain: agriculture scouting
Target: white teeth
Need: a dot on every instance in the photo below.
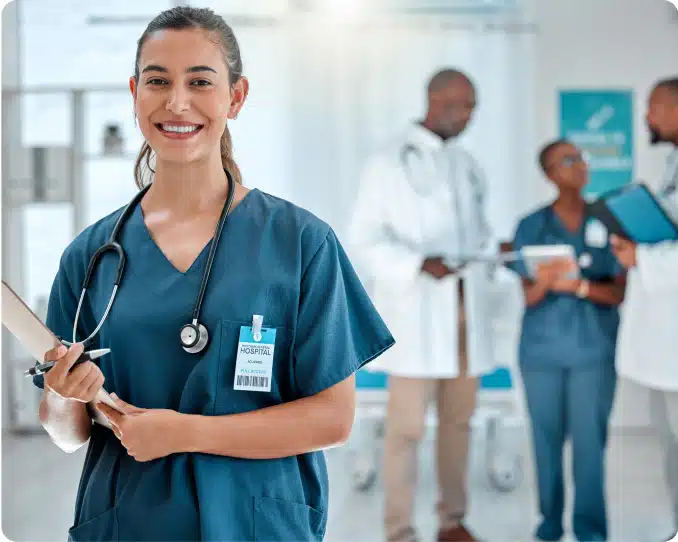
(179, 129)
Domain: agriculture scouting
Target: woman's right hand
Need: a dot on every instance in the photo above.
(549, 272)
(80, 384)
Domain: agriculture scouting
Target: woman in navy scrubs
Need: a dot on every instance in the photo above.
(567, 348)
(209, 447)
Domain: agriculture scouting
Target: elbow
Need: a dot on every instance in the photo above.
(339, 428)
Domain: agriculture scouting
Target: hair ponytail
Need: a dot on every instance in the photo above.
(227, 159)
(143, 165)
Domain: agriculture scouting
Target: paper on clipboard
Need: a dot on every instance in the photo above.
(37, 339)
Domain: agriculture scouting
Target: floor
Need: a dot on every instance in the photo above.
(37, 476)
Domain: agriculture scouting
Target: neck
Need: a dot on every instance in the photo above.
(570, 201)
(431, 127)
(190, 187)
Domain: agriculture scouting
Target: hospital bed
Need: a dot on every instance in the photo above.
(499, 416)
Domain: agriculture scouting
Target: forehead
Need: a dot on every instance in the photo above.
(561, 151)
(663, 96)
(458, 89)
(181, 49)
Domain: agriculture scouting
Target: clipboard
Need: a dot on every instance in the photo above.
(634, 213)
(37, 339)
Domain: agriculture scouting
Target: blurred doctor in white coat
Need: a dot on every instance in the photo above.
(420, 209)
(647, 351)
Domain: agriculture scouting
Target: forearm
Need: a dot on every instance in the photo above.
(606, 293)
(66, 421)
(534, 293)
(294, 428)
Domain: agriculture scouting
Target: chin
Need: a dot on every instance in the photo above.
(177, 156)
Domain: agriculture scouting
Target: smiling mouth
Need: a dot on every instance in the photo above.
(179, 131)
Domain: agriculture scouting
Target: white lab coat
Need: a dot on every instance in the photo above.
(647, 348)
(428, 201)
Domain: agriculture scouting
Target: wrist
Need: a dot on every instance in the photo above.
(583, 288)
(187, 430)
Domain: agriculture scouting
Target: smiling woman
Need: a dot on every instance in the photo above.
(222, 433)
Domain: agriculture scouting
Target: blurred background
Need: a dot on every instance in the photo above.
(330, 80)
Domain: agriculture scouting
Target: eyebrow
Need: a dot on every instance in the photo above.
(192, 69)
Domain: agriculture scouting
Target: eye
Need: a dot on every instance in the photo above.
(201, 83)
(156, 81)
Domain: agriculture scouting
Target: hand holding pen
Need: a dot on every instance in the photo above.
(73, 375)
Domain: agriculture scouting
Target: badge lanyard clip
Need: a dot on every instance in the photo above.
(257, 322)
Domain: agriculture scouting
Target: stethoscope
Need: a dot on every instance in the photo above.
(585, 258)
(670, 187)
(194, 336)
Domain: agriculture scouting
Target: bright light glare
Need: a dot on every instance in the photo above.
(342, 7)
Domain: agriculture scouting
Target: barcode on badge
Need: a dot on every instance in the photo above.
(252, 381)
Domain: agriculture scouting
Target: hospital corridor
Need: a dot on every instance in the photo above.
(339, 270)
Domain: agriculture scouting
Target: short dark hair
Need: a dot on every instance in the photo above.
(547, 149)
(670, 84)
(446, 76)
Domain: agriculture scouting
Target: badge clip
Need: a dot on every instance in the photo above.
(257, 322)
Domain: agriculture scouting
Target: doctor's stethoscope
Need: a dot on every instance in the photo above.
(194, 335)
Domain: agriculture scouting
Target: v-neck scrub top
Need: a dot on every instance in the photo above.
(273, 259)
(563, 330)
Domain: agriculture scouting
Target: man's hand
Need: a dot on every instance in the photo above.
(147, 434)
(624, 250)
(436, 268)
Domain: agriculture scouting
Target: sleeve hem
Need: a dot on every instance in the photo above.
(358, 362)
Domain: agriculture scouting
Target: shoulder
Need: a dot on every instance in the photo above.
(390, 155)
(77, 254)
(294, 228)
(533, 220)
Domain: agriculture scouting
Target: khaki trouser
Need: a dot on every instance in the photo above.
(664, 416)
(405, 425)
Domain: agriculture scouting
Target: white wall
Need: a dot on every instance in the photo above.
(609, 44)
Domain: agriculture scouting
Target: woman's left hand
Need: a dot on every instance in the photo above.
(147, 434)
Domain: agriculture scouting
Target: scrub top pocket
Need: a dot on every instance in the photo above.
(277, 520)
(103, 527)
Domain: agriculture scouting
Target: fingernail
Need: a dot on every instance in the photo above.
(61, 351)
(114, 395)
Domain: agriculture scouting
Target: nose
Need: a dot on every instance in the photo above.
(178, 100)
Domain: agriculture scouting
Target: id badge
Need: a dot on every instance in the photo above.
(254, 361)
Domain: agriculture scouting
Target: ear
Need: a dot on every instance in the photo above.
(133, 87)
(238, 97)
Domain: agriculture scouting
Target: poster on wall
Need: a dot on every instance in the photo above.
(600, 123)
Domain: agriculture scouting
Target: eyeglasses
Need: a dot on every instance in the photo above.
(568, 161)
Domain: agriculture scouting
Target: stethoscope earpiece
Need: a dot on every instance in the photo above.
(194, 338)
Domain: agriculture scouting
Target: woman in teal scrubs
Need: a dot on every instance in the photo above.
(195, 456)
(567, 348)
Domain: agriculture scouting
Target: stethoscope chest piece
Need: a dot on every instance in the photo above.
(194, 338)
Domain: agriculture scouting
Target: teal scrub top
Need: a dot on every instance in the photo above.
(273, 259)
(562, 330)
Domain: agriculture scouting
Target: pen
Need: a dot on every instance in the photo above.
(85, 356)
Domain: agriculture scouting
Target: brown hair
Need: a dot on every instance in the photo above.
(180, 18)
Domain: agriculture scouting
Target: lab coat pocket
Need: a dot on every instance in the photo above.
(285, 521)
(102, 527)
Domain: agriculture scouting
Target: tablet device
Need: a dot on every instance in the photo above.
(634, 213)
(533, 255)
